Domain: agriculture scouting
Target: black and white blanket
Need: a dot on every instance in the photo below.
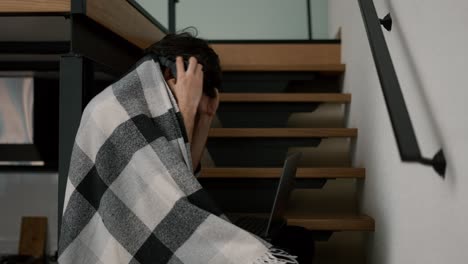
(131, 195)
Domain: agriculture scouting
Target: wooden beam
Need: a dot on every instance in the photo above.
(122, 18)
(35, 6)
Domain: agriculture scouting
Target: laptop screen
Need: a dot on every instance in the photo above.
(285, 186)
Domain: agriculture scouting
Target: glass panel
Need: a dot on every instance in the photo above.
(246, 19)
(155, 10)
(319, 17)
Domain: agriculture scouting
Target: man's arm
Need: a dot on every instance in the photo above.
(206, 113)
(188, 91)
(199, 138)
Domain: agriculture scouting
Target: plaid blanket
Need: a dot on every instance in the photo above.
(131, 195)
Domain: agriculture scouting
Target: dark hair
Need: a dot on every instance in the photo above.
(186, 45)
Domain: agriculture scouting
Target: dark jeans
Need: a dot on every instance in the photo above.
(297, 241)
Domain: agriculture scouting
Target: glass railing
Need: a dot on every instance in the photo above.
(243, 19)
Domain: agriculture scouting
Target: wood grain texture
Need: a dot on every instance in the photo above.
(326, 222)
(286, 97)
(281, 132)
(271, 173)
(279, 57)
(331, 222)
(332, 68)
(33, 236)
(35, 6)
(123, 19)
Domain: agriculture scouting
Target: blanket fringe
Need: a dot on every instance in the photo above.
(276, 256)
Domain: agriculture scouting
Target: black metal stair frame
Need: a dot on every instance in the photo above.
(90, 45)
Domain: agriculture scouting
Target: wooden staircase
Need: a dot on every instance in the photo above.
(266, 83)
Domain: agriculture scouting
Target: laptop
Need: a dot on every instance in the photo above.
(268, 227)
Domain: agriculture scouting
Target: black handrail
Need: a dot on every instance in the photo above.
(309, 20)
(396, 106)
(172, 15)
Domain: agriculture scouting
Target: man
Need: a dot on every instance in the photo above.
(131, 195)
(195, 104)
(192, 87)
(198, 110)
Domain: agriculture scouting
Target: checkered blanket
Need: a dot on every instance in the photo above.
(131, 195)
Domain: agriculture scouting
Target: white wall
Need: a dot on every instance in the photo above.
(26, 194)
(420, 217)
(246, 19)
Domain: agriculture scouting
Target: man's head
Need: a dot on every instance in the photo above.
(186, 45)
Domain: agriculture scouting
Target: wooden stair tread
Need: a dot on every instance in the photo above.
(279, 56)
(325, 222)
(331, 222)
(281, 132)
(120, 17)
(34, 6)
(286, 97)
(337, 68)
(271, 173)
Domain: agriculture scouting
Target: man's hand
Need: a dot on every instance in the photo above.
(188, 85)
(188, 89)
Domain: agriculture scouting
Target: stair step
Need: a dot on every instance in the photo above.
(271, 173)
(281, 132)
(332, 68)
(331, 222)
(317, 222)
(286, 97)
(279, 56)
